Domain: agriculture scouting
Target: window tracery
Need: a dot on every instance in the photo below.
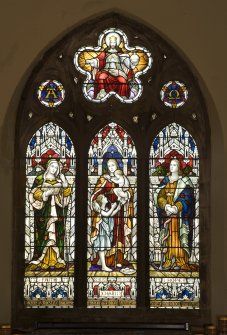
(141, 138)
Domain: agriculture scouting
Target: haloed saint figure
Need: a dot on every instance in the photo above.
(49, 197)
(112, 68)
(175, 203)
(112, 226)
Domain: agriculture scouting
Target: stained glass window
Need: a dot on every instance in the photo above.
(119, 96)
(112, 223)
(49, 219)
(174, 220)
(113, 67)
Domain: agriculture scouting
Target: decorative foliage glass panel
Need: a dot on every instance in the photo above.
(113, 67)
(49, 219)
(112, 223)
(174, 220)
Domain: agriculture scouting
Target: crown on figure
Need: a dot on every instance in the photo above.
(113, 38)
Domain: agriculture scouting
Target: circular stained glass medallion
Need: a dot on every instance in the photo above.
(174, 94)
(51, 93)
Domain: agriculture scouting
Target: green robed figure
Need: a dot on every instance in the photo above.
(49, 198)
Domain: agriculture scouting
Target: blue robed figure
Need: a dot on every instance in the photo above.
(175, 203)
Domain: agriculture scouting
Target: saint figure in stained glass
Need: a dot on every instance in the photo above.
(50, 219)
(113, 67)
(174, 219)
(102, 238)
(175, 202)
(112, 219)
(49, 198)
(115, 191)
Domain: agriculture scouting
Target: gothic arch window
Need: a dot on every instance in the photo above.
(112, 219)
(50, 219)
(174, 219)
(111, 193)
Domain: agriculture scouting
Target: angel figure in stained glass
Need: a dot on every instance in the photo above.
(175, 203)
(49, 198)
